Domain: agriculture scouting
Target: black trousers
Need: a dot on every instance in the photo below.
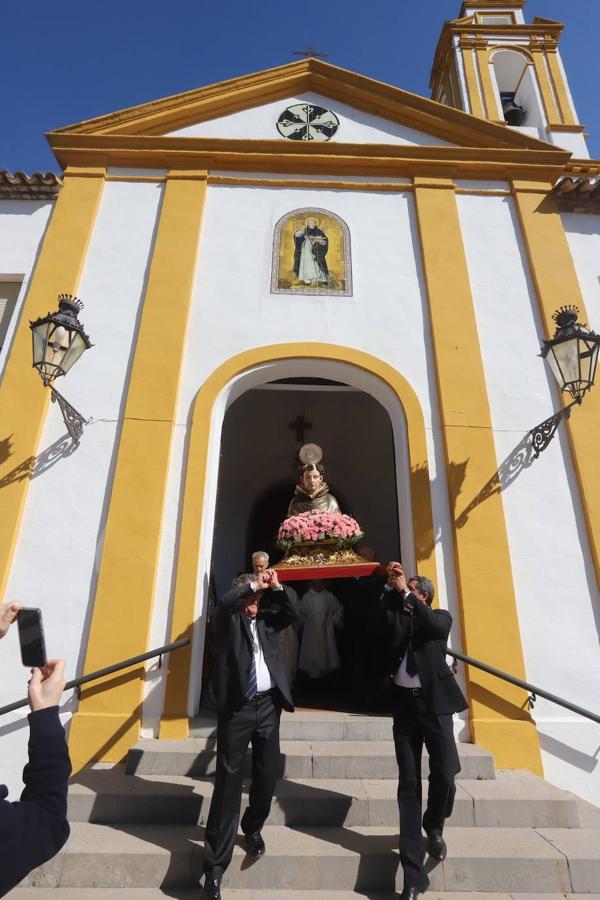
(257, 722)
(415, 725)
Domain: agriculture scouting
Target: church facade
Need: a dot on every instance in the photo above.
(307, 254)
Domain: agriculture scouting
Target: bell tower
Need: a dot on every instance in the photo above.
(490, 62)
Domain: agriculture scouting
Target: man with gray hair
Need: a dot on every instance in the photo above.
(413, 638)
(260, 561)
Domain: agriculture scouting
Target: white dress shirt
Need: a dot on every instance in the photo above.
(264, 682)
(402, 678)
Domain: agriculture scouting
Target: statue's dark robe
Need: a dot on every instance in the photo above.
(319, 251)
(302, 502)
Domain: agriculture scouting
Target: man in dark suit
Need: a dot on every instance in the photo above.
(413, 639)
(249, 687)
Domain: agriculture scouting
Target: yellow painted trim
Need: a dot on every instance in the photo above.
(454, 82)
(489, 623)
(550, 108)
(514, 48)
(107, 722)
(573, 129)
(147, 179)
(475, 101)
(481, 53)
(557, 284)
(477, 192)
(560, 88)
(174, 724)
(491, 25)
(23, 400)
(383, 161)
(386, 186)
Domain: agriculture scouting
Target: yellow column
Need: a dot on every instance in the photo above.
(23, 400)
(557, 285)
(559, 86)
(490, 624)
(466, 48)
(545, 87)
(108, 721)
(483, 63)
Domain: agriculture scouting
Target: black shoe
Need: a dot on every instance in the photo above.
(410, 893)
(212, 887)
(436, 846)
(255, 846)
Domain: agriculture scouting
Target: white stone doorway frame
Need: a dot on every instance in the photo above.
(356, 377)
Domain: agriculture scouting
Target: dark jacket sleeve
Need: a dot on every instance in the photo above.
(34, 829)
(229, 604)
(281, 609)
(431, 624)
(388, 626)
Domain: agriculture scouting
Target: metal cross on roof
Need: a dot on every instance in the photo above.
(310, 51)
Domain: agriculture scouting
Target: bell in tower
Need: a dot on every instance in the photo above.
(493, 64)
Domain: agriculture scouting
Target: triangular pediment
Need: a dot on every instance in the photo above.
(379, 113)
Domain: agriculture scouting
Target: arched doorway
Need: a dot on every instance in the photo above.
(233, 378)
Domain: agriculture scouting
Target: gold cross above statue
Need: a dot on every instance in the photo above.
(301, 425)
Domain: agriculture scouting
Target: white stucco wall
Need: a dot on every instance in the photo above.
(557, 598)
(355, 126)
(57, 553)
(22, 227)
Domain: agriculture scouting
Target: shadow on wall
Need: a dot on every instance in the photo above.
(34, 466)
(521, 457)
(577, 758)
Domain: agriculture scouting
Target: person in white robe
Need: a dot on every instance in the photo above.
(321, 613)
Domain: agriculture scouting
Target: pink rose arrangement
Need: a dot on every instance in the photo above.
(315, 526)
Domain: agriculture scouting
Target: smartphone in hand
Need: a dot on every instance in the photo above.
(31, 638)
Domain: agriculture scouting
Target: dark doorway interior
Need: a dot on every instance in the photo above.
(258, 464)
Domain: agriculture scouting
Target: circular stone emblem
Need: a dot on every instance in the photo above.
(305, 122)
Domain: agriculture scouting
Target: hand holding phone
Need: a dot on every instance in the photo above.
(8, 614)
(46, 685)
(31, 638)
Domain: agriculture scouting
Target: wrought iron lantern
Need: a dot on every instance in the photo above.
(572, 354)
(58, 342)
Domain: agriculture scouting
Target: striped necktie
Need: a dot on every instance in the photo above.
(251, 687)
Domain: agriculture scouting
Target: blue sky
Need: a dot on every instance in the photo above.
(75, 60)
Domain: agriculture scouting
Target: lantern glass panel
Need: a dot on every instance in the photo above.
(39, 336)
(588, 356)
(566, 358)
(57, 344)
(75, 349)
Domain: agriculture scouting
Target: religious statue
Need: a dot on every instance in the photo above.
(310, 249)
(316, 533)
(312, 491)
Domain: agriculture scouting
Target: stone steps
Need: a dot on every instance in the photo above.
(313, 725)
(271, 894)
(106, 794)
(299, 759)
(360, 858)
(137, 829)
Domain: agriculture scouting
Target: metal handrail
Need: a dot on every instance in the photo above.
(534, 692)
(108, 670)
